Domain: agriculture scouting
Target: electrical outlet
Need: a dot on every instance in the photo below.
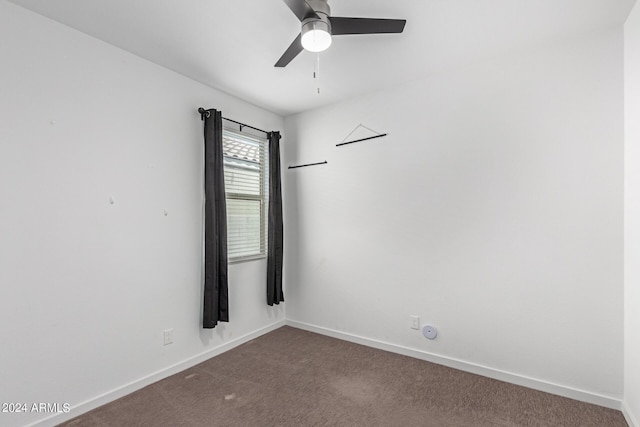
(415, 322)
(168, 336)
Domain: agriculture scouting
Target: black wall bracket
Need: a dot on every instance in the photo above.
(308, 164)
(362, 139)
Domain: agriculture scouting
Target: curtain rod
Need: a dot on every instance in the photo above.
(202, 112)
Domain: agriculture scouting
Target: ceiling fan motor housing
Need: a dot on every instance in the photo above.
(323, 11)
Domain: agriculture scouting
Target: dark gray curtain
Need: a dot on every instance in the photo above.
(274, 254)
(216, 297)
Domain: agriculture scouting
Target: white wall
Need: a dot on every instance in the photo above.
(493, 210)
(87, 287)
(632, 217)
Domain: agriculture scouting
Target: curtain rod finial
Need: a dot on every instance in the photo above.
(203, 113)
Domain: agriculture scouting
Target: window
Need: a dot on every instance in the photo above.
(246, 185)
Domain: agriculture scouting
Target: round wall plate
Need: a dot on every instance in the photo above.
(430, 332)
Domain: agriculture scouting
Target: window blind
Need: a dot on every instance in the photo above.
(246, 185)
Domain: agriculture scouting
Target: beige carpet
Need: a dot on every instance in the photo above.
(291, 377)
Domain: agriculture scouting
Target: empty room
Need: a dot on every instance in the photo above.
(312, 212)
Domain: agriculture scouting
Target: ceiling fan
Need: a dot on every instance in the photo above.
(318, 26)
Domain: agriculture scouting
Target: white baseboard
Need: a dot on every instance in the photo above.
(572, 393)
(126, 389)
(628, 415)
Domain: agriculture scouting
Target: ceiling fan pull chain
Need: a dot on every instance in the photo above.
(316, 74)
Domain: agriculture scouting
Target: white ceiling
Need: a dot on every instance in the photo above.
(232, 44)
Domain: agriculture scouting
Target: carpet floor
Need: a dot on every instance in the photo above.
(291, 377)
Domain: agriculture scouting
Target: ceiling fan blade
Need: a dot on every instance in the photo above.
(301, 9)
(341, 25)
(292, 51)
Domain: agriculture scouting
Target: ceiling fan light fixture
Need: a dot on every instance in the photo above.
(316, 35)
